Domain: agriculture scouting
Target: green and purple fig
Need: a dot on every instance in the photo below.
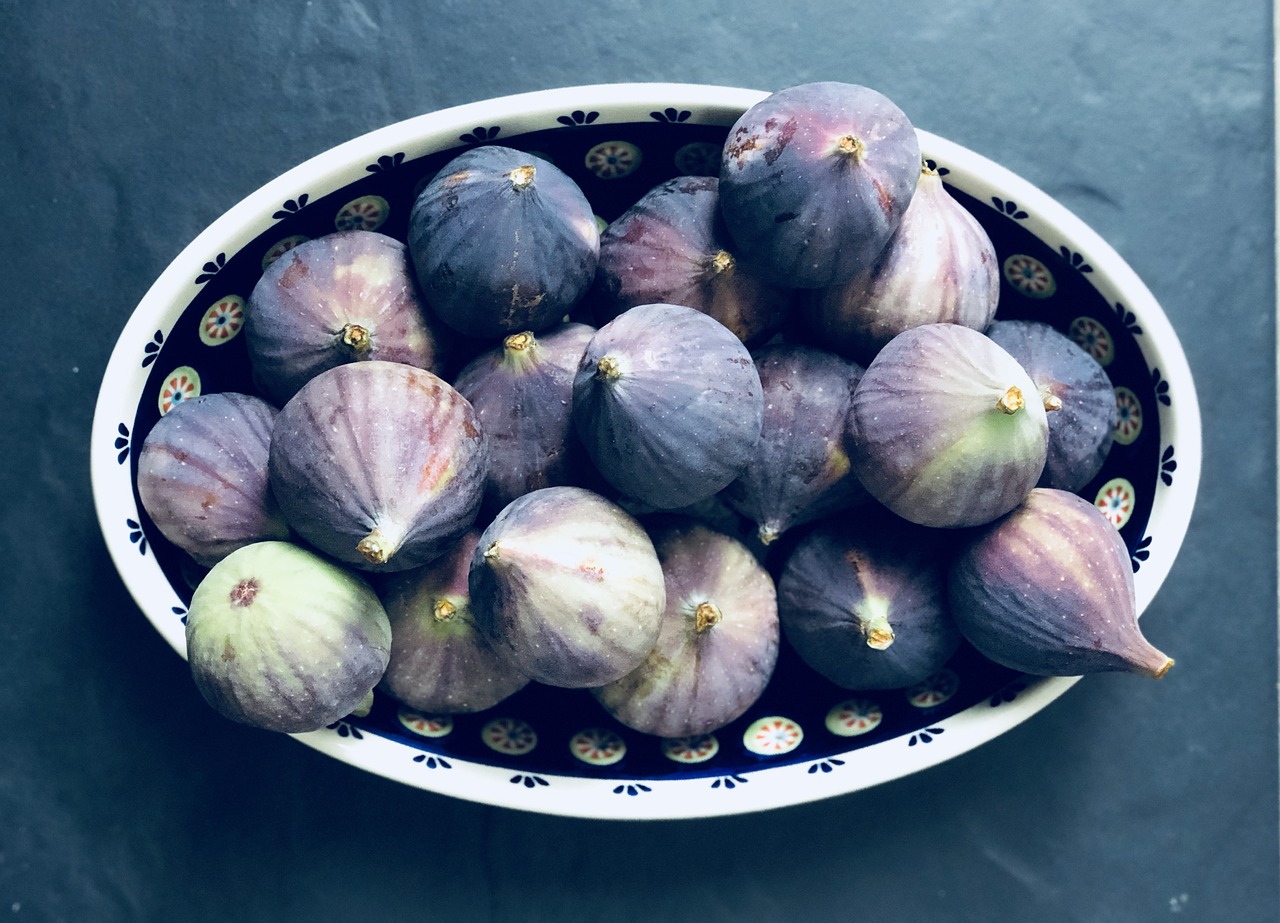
(440, 664)
(348, 296)
(947, 429)
(568, 588)
(718, 643)
(379, 464)
(1048, 590)
(202, 476)
(939, 267)
(668, 404)
(282, 639)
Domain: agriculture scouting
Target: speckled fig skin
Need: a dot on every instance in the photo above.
(522, 393)
(718, 644)
(1048, 590)
(671, 247)
(346, 297)
(380, 464)
(503, 241)
(568, 588)
(800, 471)
(938, 267)
(440, 663)
(282, 639)
(1082, 398)
(862, 600)
(667, 402)
(946, 428)
(202, 476)
(814, 180)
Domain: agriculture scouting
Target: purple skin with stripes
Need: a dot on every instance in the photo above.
(379, 464)
(1048, 590)
(202, 476)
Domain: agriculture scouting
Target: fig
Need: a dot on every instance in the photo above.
(348, 296)
(946, 429)
(522, 393)
(815, 178)
(502, 241)
(862, 600)
(800, 471)
(202, 476)
(718, 644)
(668, 404)
(440, 663)
(379, 464)
(938, 267)
(567, 586)
(1071, 382)
(1048, 590)
(671, 247)
(281, 639)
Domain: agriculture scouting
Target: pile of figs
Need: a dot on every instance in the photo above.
(806, 343)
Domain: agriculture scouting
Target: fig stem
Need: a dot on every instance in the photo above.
(491, 553)
(1159, 674)
(518, 342)
(925, 169)
(722, 261)
(705, 616)
(376, 547)
(522, 176)
(767, 534)
(1052, 402)
(608, 369)
(1011, 401)
(443, 610)
(851, 146)
(879, 633)
(356, 338)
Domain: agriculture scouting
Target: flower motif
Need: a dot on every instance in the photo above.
(1161, 386)
(925, 737)
(137, 536)
(729, 782)
(1127, 319)
(1140, 553)
(1007, 693)
(122, 443)
(631, 788)
(222, 321)
(854, 717)
(366, 213)
(772, 736)
(346, 729)
(292, 206)
(933, 691)
(151, 351)
(1029, 276)
(212, 268)
(933, 165)
(479, 135)
(1075, 260)
(1009, 207)
(1094, 338)
(182, 384)
(697, 749)
(386, 163)
(1128, 416)
(825, 765)
(578, 117)
(598, 747)
(613, 159)
(509, 735)
(432, 762)
(528, 781)
(1116, 501)
(424, 725)
(281, 247)
(1167, 466)
(671, 115)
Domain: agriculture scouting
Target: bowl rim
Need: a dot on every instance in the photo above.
(773, 786)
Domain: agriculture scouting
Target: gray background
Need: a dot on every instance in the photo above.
(127, 127)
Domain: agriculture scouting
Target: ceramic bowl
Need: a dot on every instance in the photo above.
(555, 751)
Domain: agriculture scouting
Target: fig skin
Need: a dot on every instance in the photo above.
(1082, 426)
(281, 639)
(800, 471)
(671, 247)
(348, 296)
(946, 428)
(668, 404)
(718, 644)
(814, 180)
(938, 267)
(440, 664)
(379, 464)
(202, 476)
(522, 393)
(1048, 590)
(503, 241)
(568, 588)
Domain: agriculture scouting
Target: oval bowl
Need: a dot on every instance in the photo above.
(555, 751)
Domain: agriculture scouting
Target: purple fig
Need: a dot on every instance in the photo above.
(947, 429)
(815, 178)
(346, 297)
(1048, 590)
(718, 643)
(668, 404)
(380, 464)
(938, 267)
(202, 476)
(568, 588)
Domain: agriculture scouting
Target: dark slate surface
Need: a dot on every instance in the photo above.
(126, 128)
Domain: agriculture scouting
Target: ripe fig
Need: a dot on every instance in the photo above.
(718, 643)
(1072, 383)
(345, 297)
(671, 247)
(568, 588)
(668, 404)
(503, 241)
(862, 600)
(380, 464)
(938, 267)
(282, 639)
(440, 663)
(946, 428)
(815, 178)
(202, 476)
(800, 471)
(1048, 590)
